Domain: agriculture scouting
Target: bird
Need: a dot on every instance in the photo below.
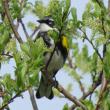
(57, 61)
(46, 24)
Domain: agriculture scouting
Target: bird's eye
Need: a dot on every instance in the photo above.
(51, 23)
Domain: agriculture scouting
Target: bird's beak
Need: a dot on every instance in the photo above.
(39, 21)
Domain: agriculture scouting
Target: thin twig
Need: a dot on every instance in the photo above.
(8, 55)
(50, 57)
(82, 87)
(14, 97)
(6, 8)
(70, 63)
(11, 100)
(94, 86)
(24, 28)
(34, 32)
(86, 37)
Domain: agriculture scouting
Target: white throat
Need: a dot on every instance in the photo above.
(44, 27)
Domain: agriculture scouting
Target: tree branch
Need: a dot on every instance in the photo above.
(86, 37)
(14, 97)
(24, 28)
(70, 63)
(1, 93)
(70, 97)
(94, 86)
(82, 87)
(8, 55)
(103, 88)
(11, 100)
(6, 8)
(32, 98)
(33, 33)
(104, 79)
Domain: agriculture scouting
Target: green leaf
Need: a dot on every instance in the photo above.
(57, 12)
(68, 3)
(89, 104)
(31, 25)
(24, 70)
(4, 36)
(9, 85)
(20, 70)
(26, 48)
(39, 9)
(38, 48)
(74, 16)
(29, 61)
(73, 73)
(34, 78)
(15, 9)
(66, 107)
(83, 61)
(75, 49)
(66, 7)
(11, 46)
(94, 62)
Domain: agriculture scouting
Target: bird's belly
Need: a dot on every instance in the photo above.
(55, 64)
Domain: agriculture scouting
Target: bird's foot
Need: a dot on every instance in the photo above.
(55, 82)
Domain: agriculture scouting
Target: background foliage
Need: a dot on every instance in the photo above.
(89, 47)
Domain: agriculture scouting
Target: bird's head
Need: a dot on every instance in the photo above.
(47, 24)
(47, 20)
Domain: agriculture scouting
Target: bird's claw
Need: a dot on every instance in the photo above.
(55, 82)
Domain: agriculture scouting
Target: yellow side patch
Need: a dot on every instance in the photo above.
(65, 42)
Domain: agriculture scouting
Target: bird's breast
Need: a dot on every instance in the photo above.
(56, 62)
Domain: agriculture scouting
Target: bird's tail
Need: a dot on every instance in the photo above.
(45, 89)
